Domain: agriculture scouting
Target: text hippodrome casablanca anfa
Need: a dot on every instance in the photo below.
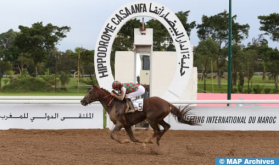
(110, 29)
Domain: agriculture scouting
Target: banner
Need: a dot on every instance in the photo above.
(51, 116)
(230, 118)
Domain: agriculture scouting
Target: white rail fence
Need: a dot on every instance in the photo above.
(76, 100)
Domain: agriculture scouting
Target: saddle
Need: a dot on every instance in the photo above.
(132, 106)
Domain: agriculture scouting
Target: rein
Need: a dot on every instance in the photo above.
(110, 100)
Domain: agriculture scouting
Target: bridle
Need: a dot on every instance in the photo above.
(110, 100)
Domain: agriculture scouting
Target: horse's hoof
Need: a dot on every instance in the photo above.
(143, 145)
(158, 143)
(150, 142)
(137, 141)
(125, 141)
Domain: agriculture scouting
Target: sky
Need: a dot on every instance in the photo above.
(87, 17)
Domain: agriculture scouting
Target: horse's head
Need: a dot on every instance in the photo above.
(92, 95)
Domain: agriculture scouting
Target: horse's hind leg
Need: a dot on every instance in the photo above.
(166, 128)
(131, 134)
(115, 130)
(157, 131)
(148, 140)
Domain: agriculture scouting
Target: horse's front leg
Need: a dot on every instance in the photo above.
(117, 127)
(131, 134)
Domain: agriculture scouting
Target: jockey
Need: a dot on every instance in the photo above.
(127, 91)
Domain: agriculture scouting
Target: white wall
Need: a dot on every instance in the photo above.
(146, 39)
(145, 77)
(191, 90)
(163, 70)
(124, 66)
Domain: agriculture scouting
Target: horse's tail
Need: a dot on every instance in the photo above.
(181, 115)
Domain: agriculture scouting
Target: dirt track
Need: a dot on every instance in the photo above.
(86, 147)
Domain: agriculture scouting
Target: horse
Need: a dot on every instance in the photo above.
(155, 109)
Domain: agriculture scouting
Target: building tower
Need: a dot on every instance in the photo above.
(143, 46)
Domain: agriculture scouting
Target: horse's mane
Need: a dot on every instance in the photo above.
(109, 93)
(105, 90)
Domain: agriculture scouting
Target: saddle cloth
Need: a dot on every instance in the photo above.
(138, 104)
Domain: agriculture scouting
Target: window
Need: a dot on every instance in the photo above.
(146, 62)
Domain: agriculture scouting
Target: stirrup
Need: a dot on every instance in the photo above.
(130, 111)
(131, 108)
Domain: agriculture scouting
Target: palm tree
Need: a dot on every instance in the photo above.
(64, 79)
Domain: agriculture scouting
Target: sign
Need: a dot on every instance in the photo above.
(230, 118)
(51, 116)
(172, 24)
(75, 116)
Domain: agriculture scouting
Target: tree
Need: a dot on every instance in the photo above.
(61, 61)
(270, 24)
(86, 60)
(183, 17)
(216, 27)
(241, 81)
(8, 51)
(249, 63)
(67, 62)
(64, 79)
(212, 28)
(161, 36)
(237, 61)
(125, 37)
(204, 53)
(127, 30)
(4, 66)
(7, 39)
(38, 41)
(260, 47)
(263, 49)
(273, 65)
(239, 32)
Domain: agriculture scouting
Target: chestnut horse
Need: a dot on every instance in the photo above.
(154, 111)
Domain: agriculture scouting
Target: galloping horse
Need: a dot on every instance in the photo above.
(154, 110)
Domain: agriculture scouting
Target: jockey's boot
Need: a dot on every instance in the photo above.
(131, 108)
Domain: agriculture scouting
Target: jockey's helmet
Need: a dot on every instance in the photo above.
(116, 85)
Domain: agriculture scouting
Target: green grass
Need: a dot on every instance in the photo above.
(69, 92)
(72, 89)
(212, 85)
